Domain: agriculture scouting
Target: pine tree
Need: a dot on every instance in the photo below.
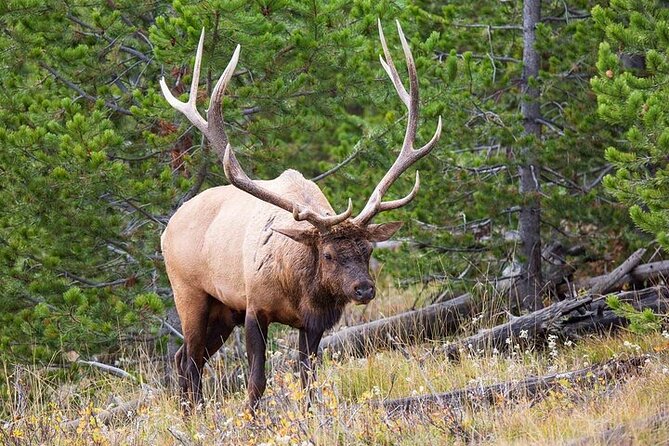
(633, 97)
(82, 196)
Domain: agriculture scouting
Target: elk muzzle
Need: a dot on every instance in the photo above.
(364, 291)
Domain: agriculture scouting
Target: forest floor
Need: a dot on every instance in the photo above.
(347, 405)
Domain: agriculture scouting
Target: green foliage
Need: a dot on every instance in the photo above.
(93, 161)
(632, 94)
(641, 322)
(81, 192)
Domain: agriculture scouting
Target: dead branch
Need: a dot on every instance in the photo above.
(122, 411)
(81, 91)
(532, 388)
(638, 275)
(606, 282)
(112, 41)
(180, 436)
(108, 368)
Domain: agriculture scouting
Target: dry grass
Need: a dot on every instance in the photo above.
(346, 409)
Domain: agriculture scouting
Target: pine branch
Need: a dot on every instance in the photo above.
(112, 41)
(484, 25)
(81, 92)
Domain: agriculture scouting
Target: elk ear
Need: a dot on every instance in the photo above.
(382, 232)
(305, 236)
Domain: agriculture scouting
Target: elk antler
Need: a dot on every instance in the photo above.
(213, 130)
(408, 155)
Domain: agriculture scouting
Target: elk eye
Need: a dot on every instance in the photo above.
(327, 256)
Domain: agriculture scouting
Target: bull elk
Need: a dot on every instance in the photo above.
(257, 252)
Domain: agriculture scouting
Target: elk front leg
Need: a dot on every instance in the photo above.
(256, 337)
(193, 308)
(309, 341)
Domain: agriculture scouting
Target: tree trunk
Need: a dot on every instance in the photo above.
(530, 283)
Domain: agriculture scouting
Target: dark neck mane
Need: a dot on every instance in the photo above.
(319, 308)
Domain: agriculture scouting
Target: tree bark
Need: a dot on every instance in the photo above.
(530, 284)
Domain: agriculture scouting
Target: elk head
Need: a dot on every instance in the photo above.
(340, 243)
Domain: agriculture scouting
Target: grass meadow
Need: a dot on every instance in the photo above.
(83, 405)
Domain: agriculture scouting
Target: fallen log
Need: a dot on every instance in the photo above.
(560, 319)
(444, 318)
(431, 322)
(599, 318)
(604, 283)
(640, 275)
(533, 388)
(531, 328)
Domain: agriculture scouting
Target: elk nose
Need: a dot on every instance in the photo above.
(364, 291)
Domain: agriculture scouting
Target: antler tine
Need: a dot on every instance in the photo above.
(394, 204)
(408, 155)
(389, 67)
(414, 100)
(216, 130)
(304, 213)
(189, 108)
